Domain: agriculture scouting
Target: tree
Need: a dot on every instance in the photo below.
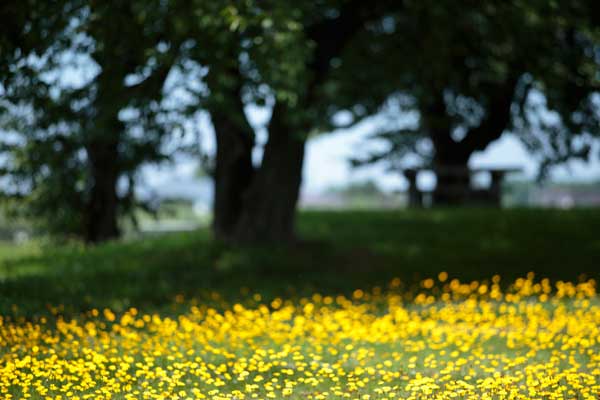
(258, 203)
(78, 144)
(265, 49)
(474, 77)
(29, 29)
(74, 141)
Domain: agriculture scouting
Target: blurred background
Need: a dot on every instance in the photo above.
(121, 118)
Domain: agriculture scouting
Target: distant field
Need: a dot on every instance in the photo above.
(369, 305)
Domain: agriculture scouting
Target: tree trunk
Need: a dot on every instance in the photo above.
(101, 220)
(453, 187)
(233, 171)
(270, 201)
(451, 158)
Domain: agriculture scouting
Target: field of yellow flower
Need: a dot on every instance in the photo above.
(443, 339)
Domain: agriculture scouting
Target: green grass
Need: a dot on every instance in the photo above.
(413, 344)
(340, 251)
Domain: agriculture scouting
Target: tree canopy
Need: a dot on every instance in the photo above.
(530, 68)
(92, 91)
(87, 113)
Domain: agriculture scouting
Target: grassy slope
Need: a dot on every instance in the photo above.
(341, 251)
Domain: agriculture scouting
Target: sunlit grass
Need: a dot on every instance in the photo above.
(10, 253)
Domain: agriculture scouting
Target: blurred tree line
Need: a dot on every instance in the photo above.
(87, 89)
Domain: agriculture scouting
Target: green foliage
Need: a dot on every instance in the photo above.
(74, 134)
(138, 72)
(258, 45)
(94, 105)
(486, 68)
(30, 28)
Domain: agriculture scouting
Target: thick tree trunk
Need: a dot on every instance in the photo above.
(451, 158)
(453, 187)
(270, 201)
(101, 219)
(233, 171)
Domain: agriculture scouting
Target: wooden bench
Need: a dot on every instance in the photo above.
(457, 187)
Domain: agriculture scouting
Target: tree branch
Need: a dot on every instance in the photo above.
(498, 116)
(332, 35)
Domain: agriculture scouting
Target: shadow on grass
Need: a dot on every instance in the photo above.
(342, 252)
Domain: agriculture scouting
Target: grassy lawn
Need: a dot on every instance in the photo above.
(428, 304)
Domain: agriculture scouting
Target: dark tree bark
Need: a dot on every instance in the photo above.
(450, 160)
(101, 216)
(101, 207)
(269, 195)
(453, 178)
(233, 170)
(270, 202)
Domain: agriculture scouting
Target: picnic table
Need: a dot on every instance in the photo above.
(455, 186)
